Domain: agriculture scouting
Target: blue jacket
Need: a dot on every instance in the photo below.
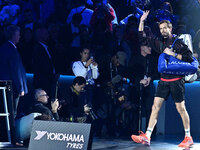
(11, 68)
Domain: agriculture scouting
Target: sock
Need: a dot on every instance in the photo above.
(187, 132)
(149, 132)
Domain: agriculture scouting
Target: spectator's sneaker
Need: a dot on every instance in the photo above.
(187, 142)
(142, 138)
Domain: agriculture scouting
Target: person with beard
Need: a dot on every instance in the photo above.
(168, 84)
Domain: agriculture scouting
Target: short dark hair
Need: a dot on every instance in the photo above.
(83, 48)
(145, 43)
(169, 24)
(10, 31)
(79, 80)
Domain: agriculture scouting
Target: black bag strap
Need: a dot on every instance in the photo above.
(177, 37)
(161, 44)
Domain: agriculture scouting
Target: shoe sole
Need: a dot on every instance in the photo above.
(145, 142)
(187, 146)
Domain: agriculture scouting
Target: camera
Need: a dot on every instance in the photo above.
(93, 115)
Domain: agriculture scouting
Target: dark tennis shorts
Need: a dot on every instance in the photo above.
(175, 88)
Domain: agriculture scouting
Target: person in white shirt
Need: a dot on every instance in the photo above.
(86, 67)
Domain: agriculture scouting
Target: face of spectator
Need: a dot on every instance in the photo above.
(85, 55)
(79, 88)
(16, 37)
(146, 49)
(43, 97)
(165, 30)
(115, 60)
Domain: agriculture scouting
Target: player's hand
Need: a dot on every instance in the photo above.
(144, 16)
(168, 51)
(143, 81)
(148, 82)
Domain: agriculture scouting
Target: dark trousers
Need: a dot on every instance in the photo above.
(15, 104)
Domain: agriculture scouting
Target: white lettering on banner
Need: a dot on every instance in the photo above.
(70, 138)
(40, 134)
(65, 137)
(74, 145)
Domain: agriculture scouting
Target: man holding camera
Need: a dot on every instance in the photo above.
(74, 108)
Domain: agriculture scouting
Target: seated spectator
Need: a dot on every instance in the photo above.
(74, 108)
(86, 67)
(41, 98)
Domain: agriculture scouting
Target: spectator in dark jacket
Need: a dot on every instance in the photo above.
(41, 98)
